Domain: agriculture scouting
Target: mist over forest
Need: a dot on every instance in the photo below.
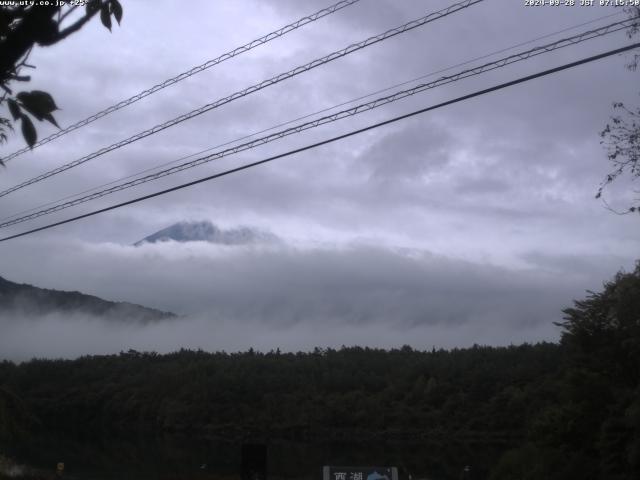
(263, 296)
(567, 410)
(384, 233)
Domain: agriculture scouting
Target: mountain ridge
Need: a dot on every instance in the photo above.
(26, 299)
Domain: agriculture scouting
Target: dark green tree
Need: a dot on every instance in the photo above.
(589, 427)
(23, 27)
(603, 330)
(602, 334)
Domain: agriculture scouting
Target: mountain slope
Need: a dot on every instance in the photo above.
(22, 299)
(208, 232)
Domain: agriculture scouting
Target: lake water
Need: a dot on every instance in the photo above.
(186, 458)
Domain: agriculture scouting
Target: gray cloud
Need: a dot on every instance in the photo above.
(293, 297)
(500, 189)
(69, 337)
(425, 147)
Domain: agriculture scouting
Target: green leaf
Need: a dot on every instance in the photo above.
(92, 6)
(49, 118)
(37, 103)
(28, 131)
(116, 9)
(14, 108)
(105, 17)
(44, 99)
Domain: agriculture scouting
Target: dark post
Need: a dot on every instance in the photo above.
(254, 461)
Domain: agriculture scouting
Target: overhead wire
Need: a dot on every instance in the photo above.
(288, 122)
(500, 63)
(189, 73)
(252, 89)
(331, 140)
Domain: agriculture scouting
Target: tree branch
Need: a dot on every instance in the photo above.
(66, 14)
(74, 27)
(34, 26)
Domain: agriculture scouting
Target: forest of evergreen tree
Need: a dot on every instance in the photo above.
(566, 410)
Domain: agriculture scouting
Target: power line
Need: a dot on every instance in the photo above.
(603, 30)
(517, 57)
(317, 112)
(254, 88)
(193, 71)
(244, 137)
(332, 139)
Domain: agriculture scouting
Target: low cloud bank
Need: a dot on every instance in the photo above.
(293, 298)
(56, 336)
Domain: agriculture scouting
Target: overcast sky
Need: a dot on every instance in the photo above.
(474, 223)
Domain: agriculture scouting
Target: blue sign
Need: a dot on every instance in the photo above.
(359, 473)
